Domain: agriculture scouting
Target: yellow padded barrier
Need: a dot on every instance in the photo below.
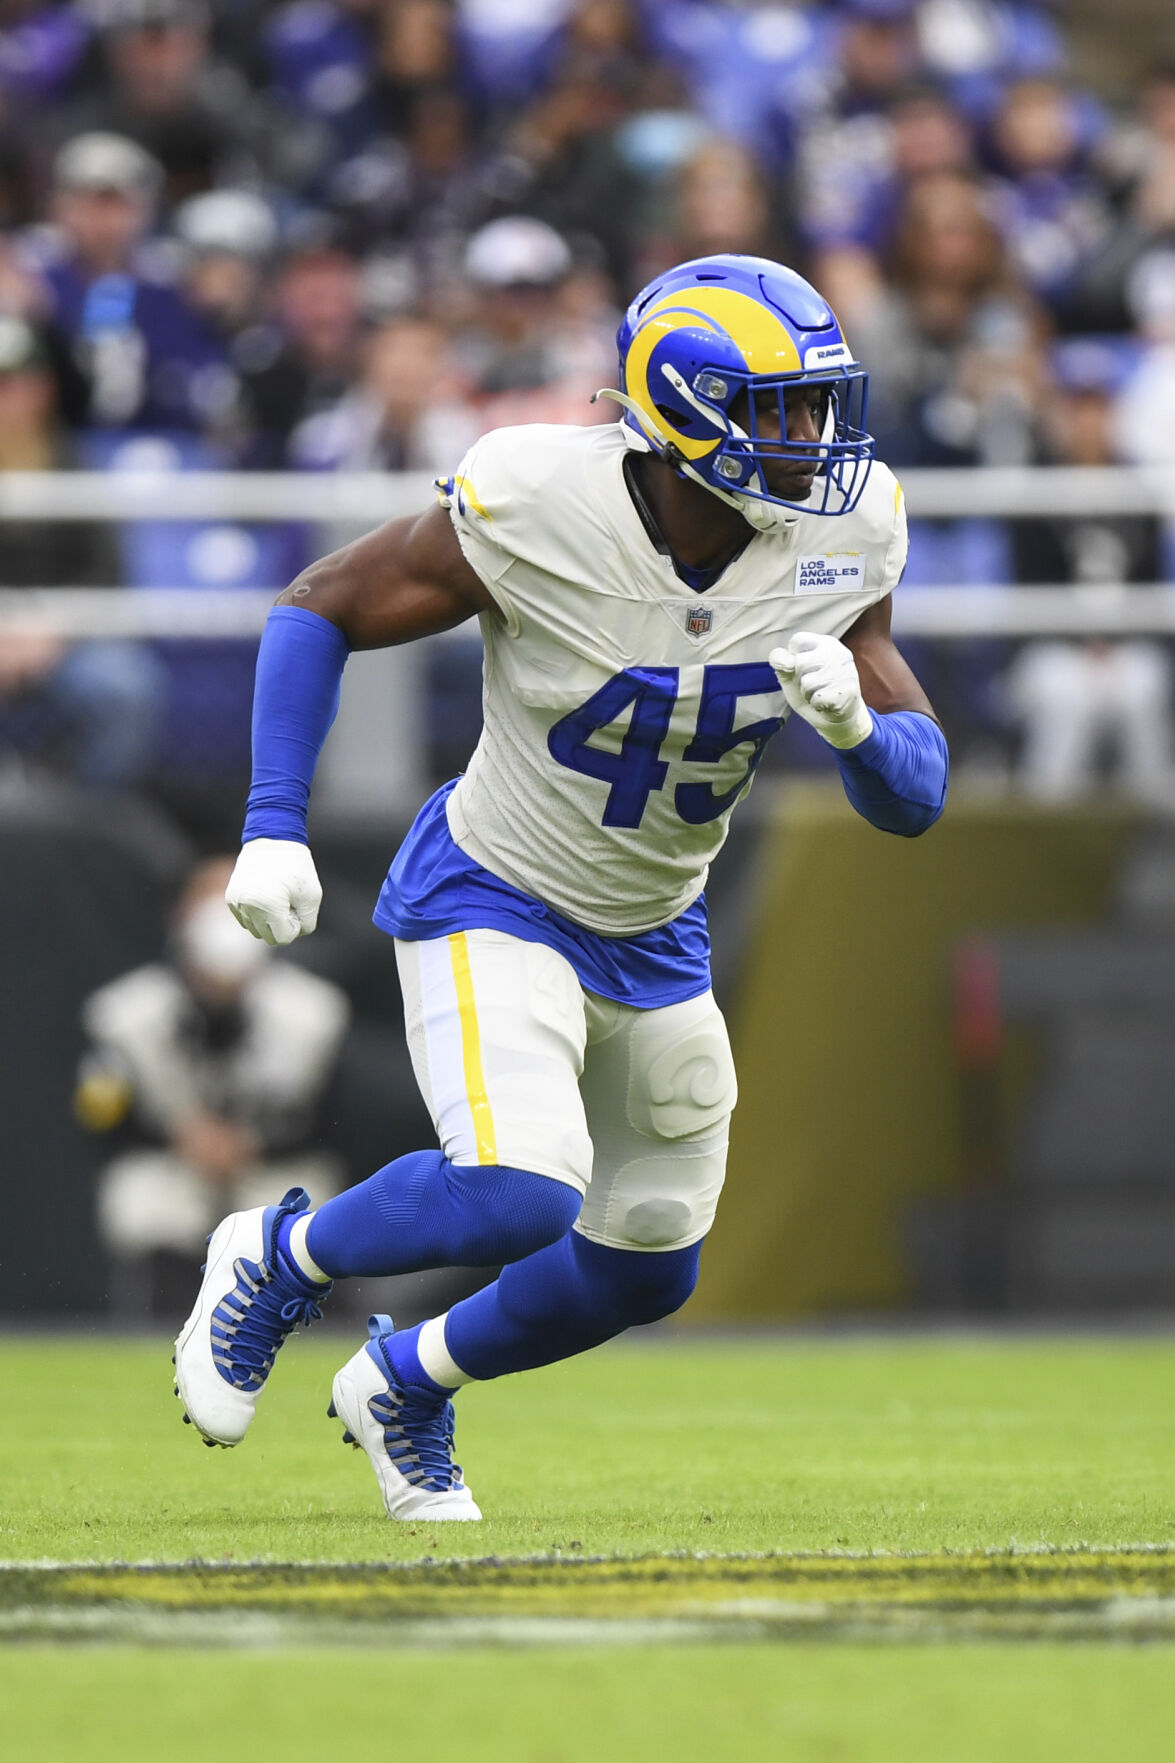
(848, 1108)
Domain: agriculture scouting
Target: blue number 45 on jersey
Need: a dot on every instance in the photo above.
(638, 768)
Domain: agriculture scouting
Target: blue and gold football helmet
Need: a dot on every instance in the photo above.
(700, 349)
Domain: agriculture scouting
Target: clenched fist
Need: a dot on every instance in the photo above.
(819, 680)
(274, 891)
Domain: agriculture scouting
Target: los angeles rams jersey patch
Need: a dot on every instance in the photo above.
(831, 572)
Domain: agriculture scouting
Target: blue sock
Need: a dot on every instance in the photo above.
(423, 1211)
(561, 1301)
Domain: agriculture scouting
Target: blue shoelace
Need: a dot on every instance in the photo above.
(418, 1438)
(252, 1321)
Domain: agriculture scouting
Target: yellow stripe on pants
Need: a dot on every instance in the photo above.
(475, 1083)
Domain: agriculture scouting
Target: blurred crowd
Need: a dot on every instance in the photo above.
(354, 234)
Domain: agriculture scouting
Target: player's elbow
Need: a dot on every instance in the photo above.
(325, 587)
(317, 583)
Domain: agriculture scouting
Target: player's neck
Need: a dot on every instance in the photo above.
(701, 531)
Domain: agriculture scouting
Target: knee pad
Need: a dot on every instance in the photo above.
(512, 1212)
(662, 1202)
(656, 1222)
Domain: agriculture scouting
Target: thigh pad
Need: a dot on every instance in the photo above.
(681, 1078)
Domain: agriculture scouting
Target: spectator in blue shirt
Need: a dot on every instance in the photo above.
(1052, 210)
(138, 354)
(856, 200)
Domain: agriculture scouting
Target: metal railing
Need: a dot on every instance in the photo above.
(946, 612)
(369, 497)
(374, 759)
(357, 501)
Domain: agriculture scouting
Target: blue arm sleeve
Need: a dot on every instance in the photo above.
(295, 700)
(897, 777)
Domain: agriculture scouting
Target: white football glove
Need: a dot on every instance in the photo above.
(819, 680)
(274, 891)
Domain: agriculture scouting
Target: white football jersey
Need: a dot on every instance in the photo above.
(625, 713)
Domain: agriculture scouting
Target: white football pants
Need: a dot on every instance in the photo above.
(520, 1066)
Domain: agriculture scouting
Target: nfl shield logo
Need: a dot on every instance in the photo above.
(698, 620)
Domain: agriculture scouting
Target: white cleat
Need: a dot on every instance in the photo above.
(409, 1441)
(248, 1303)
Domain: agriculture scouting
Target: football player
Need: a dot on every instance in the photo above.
(656, 597)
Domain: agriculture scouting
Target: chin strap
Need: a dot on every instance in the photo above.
(763, 516)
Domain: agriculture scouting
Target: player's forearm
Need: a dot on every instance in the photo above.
(299, 672)
(896, 778)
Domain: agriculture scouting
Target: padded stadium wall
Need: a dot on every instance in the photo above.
(849, 1110)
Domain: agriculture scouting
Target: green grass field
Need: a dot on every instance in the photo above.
(809, 1444)
(974, 1458)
